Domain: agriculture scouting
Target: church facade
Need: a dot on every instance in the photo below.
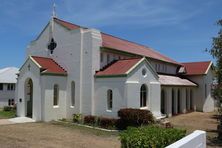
(73, 69)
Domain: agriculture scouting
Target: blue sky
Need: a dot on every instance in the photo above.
(180, 29)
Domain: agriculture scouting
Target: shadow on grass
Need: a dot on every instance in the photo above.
(214, 142)
(215, 117)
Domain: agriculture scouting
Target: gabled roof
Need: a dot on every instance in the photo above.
(67, 24)
(168, 80)
(197, 68)
(119, 44)
(113, 42)
(48, 65)
(119, 68)
(8, 75)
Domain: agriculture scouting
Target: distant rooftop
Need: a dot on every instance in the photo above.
(8, 75)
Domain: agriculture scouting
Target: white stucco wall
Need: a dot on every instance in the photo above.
(78, 52)
(203, 100)
(126, 91)
(102, 85)
(24, 75)
(51, 112)
(134, 83)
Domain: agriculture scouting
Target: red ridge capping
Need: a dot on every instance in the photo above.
(49, 65)
(197, 68)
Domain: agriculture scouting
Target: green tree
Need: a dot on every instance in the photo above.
(216, 52)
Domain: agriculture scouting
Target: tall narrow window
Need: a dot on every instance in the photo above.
(56, 95)
(72, 93)
(191, 100)
(187, 100)
(108, 58)
(205, 90)
(163, 109)
(143, 95)
(9, 102)
(1, 86)
(11, 87)
(179, 101)
(173, 101)
(101, 57)
(109, 99)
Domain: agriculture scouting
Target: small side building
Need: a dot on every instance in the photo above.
(8, 86)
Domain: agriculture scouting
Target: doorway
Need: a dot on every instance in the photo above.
(29, 97)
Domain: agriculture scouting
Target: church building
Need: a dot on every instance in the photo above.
(71, 69)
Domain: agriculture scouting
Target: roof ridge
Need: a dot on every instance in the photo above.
(133, 42)
(69, 23)
(195, 62)
(58, 65)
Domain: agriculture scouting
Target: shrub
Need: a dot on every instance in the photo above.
(150, 137)
(77, 118)
(134, 117)
(7, 108)
(108, 123)
(90, 120)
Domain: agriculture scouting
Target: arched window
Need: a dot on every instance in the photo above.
(143, 95)
(109, 99)
(56, 95)
(72, 93)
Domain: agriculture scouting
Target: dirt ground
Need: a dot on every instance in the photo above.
(48, 135)
(199, 121)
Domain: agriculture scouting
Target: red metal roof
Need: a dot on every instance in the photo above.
(174, 81)
(116, 43)
(110, 41)
(48, 65)
(119, 67)
(67, 24)
(197, 68)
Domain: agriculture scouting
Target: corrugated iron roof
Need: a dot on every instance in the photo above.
(48, 65)
(174, 81)
(120, 67)
(8, 75)
(197, 68)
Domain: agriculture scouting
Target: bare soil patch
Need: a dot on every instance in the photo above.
(52, 135)
(199, 121)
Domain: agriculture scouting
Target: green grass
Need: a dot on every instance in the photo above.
(7, 114)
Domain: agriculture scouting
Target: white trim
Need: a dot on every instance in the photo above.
(132, 82)
(55, 106)
(208, 67)
(109, 111)
(33, 60)
(144, 108)
(140, 61)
